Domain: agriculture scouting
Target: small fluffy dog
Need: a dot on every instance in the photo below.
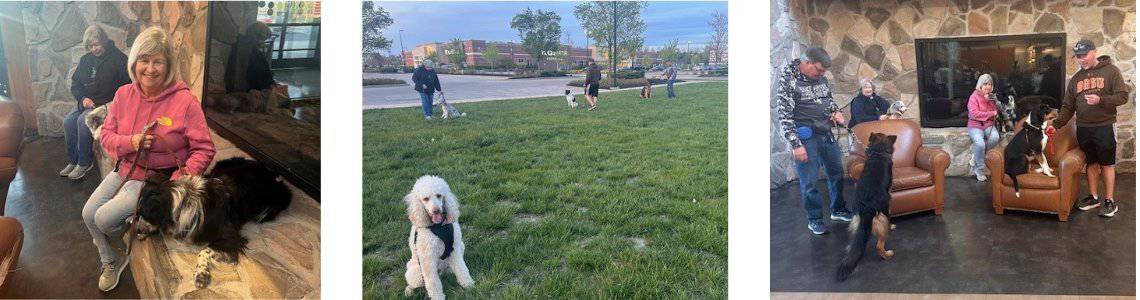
(872, 206)
(646, 90)
(570, 100)
(435, 239)
(94, 119)
(897, 109)
(210, 211)
(1029, 144)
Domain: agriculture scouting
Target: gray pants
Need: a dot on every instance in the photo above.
(106, 213)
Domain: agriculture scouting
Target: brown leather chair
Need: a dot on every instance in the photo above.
(1041, 193)
(11, 142)
(919, 172)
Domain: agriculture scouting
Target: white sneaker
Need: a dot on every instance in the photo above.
(66, 170)
(980, 175)
(79, 171)
(109, 279)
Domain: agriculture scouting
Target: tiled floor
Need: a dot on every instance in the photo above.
(58, 259)
(968, 249)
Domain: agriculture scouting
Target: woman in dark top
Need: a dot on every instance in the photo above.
(867, 106)
(427, 83)
(100, 73)
(593, 79)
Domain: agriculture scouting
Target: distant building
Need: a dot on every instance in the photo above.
(509, 53)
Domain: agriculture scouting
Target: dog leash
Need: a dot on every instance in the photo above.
(143, 154)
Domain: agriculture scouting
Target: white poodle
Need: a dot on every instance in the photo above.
(435, 239)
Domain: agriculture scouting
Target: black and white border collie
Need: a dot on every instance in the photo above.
(210, 210)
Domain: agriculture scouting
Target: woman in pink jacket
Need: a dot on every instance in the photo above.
(153, 97)
(981, 124)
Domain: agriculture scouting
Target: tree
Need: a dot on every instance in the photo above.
(456, 55)
(718, 37)
(375, 20)
(597, 19)
(491, 55)
(670, 52)
(539, 31)
(433, 56)
(696, 58)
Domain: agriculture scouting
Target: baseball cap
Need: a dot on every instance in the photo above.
(1083, 47)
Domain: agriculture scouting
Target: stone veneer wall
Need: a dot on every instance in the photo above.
(875, 39)
(54, 33)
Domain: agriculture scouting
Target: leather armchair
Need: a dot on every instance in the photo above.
(11, 142)
(1041, 193)
(919, 172)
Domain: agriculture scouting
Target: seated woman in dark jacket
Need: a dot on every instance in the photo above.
(100, 73)
(867, 106)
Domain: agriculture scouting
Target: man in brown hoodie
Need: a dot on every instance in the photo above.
(1092, 95)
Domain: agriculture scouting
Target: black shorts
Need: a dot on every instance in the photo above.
(1098, 143)
(592, 90)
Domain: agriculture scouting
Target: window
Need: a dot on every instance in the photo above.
(1022, 66)
(520, 60)
(296, 28)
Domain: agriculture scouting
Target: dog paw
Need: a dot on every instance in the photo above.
(407, 291)
(889, 254)
(892, 226)
(202, 279)
(467, 284)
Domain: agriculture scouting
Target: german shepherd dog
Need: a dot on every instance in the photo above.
(1029, 143)
(647, 90)
(873, 204)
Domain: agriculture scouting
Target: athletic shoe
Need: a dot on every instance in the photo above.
(1088, 203)
(842, 215)
(79, 171)
(66, 170)
(817, 227)
(980, 175)
(1109, 208)
(109, 279)
(427, 118)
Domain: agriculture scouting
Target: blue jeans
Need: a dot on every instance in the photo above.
(669, 86)
(77, 137)
(983, 140)
(106, 213)
(823, 152)
(425, 100)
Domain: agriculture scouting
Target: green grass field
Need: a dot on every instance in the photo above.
(627, 201)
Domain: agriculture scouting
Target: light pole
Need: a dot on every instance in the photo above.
(403, 59)
(613, 51)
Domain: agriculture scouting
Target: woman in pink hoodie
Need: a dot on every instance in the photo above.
(180, 136)
(981, 124)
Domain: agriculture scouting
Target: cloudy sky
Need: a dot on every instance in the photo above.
(425, 22)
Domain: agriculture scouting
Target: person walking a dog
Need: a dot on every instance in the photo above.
(980, 125)
(99, 74)
(670, 75)
(1092, 96)
(593, 79)
(155, 107)
(427, 83)
(807, 112)
(867, 105)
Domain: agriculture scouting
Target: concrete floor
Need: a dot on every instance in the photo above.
(58, 259)
(968, 249)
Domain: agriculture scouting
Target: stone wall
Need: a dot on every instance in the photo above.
(54, 34)
(786, 46)
(875, 39)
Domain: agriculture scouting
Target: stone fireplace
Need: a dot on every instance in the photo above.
(877, 39)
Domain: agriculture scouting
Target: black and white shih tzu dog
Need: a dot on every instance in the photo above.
(210, 210)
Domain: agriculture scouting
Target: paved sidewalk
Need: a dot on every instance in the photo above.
(471, 88)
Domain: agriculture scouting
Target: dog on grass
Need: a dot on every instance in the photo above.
(646, 90)
(872, 205)
(570, 101)
(1028, 145)
(449, 111)
(435, 240)
(210, 210)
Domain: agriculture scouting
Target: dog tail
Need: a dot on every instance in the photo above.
(860, 232)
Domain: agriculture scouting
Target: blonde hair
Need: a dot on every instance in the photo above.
(152, 41)
(94, 32)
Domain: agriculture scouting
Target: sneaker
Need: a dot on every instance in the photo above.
(817, 227)
(109, 278)
(593, 107)
(79, 171)
(66, 170)
(1089, 202)
(427, 117)
(980, 175)
(842, 215)
(1109, 208)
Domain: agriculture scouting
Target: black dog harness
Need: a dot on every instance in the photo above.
(445, 233)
